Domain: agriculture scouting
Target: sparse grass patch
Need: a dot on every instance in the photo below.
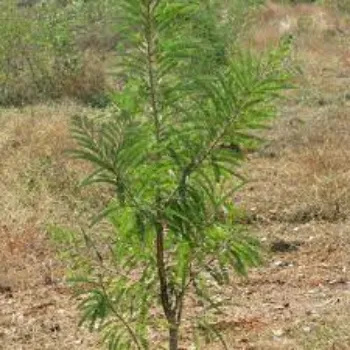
(38, 183)
(305, 22)
(305, 163)
(329, 332)
(38, 186)
(307, 175)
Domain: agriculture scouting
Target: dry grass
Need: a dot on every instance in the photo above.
(307, 21)
(39, 185)
(90, 84)
(302, 175)
(299, 193)
(52, 79)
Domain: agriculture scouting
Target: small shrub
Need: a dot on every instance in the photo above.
(166, 152)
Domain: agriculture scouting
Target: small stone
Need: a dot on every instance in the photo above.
(307, 329)
(280, 263)
(278, 333)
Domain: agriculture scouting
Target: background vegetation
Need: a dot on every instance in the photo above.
(54, 49)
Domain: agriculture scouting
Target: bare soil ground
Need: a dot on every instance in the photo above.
(297, 203)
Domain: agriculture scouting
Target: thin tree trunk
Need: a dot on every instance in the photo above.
(173, 337)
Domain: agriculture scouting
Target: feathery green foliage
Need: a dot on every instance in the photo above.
(170, 150)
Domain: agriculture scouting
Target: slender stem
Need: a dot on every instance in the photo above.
(151, 69)
(174, 337)
(165, 291)
(162, 273)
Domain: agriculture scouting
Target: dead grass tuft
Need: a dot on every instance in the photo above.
(89, 85)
